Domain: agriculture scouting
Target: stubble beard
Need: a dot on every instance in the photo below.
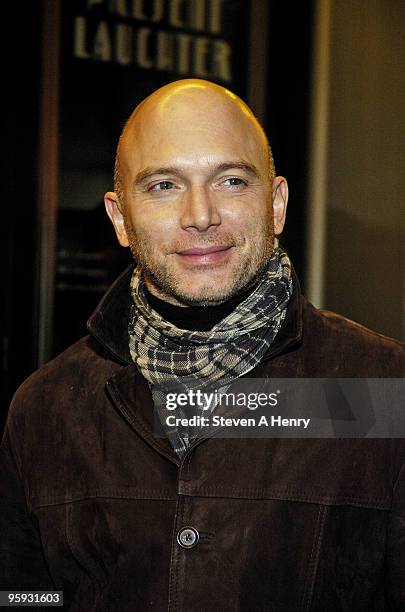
(163, 280)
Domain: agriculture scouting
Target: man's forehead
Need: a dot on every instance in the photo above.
(199, 152)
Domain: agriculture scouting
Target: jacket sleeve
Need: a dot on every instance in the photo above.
(396, 547)
(22, 563)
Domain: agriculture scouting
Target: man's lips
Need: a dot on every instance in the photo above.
(205, 255)
(215, 248)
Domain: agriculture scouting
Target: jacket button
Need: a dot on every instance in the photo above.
(188, 537)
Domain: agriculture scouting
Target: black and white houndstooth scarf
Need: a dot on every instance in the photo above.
(167, 355)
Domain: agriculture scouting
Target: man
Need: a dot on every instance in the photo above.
(94, 503)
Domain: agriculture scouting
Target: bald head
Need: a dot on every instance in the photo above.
(189, 105)
(195, 194)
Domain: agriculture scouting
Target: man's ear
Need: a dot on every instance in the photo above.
(113, 208)
(280, 199)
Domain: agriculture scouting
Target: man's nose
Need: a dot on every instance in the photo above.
(200, 210)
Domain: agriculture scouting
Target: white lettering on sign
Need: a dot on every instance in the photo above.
(153, 50)
(123, 51)
(215, 16)
(175, 15)
(165, 52)
(102, 43)
(79, 46)
(142, 54)
(175, 50)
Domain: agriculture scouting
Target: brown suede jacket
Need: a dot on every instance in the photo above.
(91, 502)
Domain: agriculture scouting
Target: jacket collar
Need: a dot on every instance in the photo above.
(109, 322)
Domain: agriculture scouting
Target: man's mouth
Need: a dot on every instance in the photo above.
(205, 255)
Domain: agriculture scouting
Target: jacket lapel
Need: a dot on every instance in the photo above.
(130, 393)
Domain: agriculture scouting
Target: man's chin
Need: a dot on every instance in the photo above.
(197, 298)
(190, 294)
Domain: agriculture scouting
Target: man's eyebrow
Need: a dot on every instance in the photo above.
(148, 172)
(239, 165)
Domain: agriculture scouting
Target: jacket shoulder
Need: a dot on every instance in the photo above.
(357, 331)
(358, 349)
(79, 369)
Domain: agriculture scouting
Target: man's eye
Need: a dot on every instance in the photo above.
(234, 182)
(161, 186)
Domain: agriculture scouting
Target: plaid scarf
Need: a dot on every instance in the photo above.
(169, 357)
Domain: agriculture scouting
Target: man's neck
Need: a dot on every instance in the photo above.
(195, 318)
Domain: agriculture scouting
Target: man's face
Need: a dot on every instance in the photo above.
(197, 200)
